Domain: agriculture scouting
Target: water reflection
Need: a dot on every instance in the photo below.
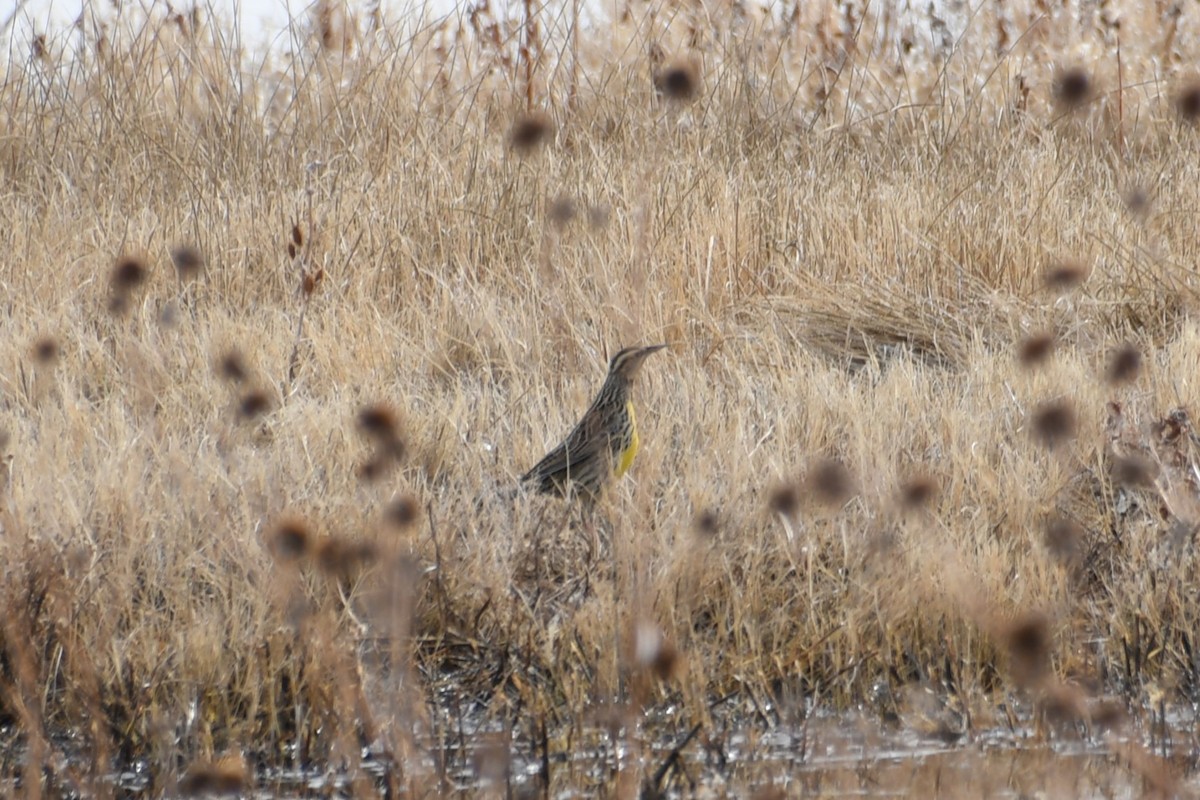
(847, 755)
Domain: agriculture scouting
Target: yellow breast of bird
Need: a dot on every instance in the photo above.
(625, 458)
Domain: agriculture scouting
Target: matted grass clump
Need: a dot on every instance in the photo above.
(283, 330)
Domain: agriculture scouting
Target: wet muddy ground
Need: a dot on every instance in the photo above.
(827, 755)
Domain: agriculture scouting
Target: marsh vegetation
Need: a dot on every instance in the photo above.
(281, 331)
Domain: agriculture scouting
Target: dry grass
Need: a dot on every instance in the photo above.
(280, 337)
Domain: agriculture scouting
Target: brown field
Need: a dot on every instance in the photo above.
(917, 463)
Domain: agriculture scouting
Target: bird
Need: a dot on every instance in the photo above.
(603, 443)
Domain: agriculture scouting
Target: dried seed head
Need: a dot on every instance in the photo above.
(492, 760)
(678, 80)
(1062, 706)
(561, 211)
(375, 467)
(340, 557)
(1035, 349)
(297, 235)
(1027, 639)
(1134, 472)
(290, 539)
(1063, 539)
(310, 280)
(785, 500)
(1187, 101)
(379, 422)
(598, 217)
(529, 131)
(667, 663)
(226, 776)
(706, 524)
(335, 31)
(769, 792)
(917, 492)
(1054, 422)
(231, 367)
(181, 22)
(128, 274)
(655, 652)
(168, 315)
(1181, 534)
(394, 449)
(880, 541)
(1108, 714)
(46, 351)
(656, 55)
(830, 482)
(1159, 775)
(1124, 364)
(188, 261)
(1064, 276)
(403, 511)
(1072, 87)
(1137, 200)
(1174, 425)
(254, 403)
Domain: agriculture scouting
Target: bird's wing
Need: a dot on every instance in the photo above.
(583, 443)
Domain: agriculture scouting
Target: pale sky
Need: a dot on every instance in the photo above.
(261, 21)
(263, 24)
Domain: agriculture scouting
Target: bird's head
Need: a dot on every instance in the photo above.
(626, 363)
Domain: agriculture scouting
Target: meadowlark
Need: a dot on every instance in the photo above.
(603, 444)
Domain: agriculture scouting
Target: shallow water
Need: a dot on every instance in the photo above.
(823, 755)
(848, 755)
